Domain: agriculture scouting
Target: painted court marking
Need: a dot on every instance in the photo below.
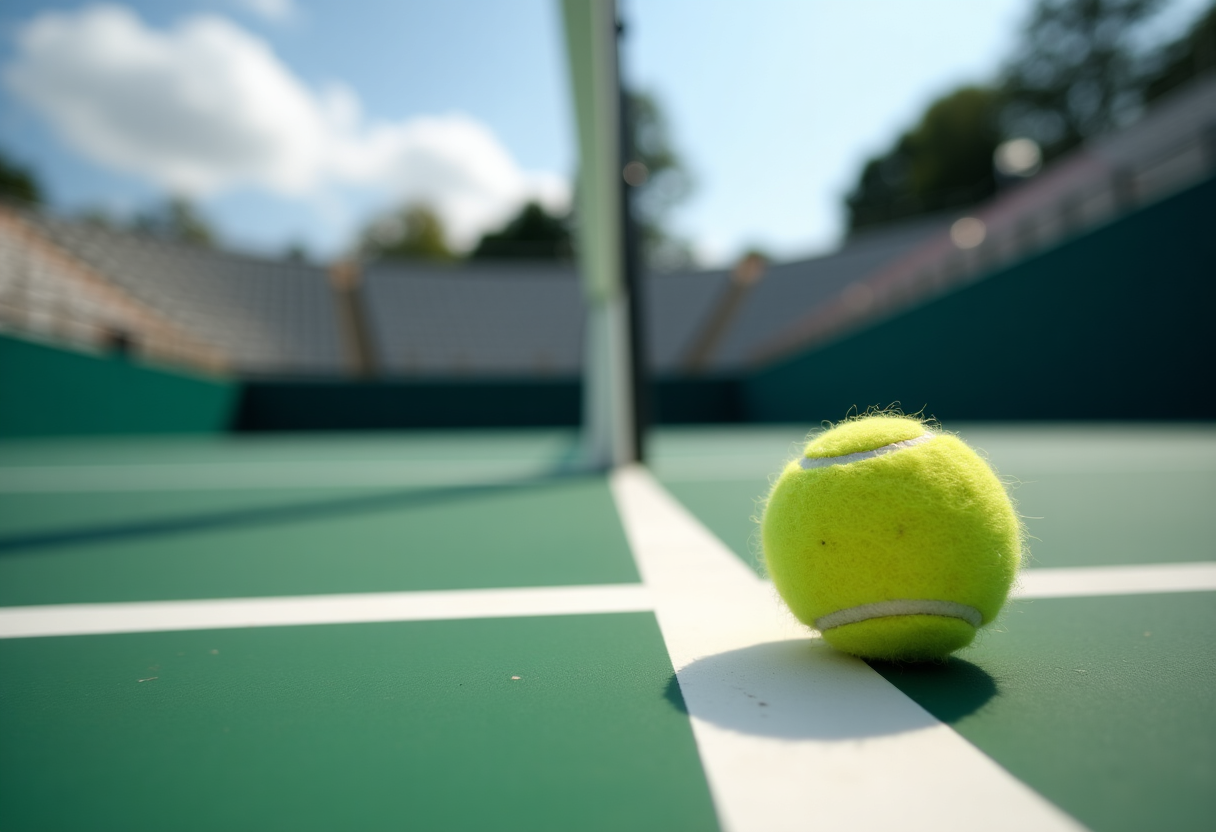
(787, 728)
(1068, 452)
(225, 613)
(1085, 581)
(354, 608)
(204, 476)
(792, 733)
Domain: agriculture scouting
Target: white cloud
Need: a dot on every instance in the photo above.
(452, 162)
(276, 11)
(207, 107)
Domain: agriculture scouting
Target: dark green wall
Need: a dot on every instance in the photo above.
(46, 392)
(351, 405)
(1117, 324)
(396, 404)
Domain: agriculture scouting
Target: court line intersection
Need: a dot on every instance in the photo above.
(786, 727)
(360, 607)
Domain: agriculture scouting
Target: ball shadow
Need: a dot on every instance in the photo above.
(804, 689)
(949, 690)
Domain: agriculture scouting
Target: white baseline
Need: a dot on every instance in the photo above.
(353, 608)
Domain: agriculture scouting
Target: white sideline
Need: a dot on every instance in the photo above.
(225, 613)
(355, 607)
(1084, 581)
(204, 476)
(352, 608)
(834, 746)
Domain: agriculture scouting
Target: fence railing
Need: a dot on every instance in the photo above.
(1089, 188)
(47, 295)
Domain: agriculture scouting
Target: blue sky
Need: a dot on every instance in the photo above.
(298, 120)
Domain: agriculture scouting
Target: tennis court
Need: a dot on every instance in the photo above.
(436, 508)
(458, 630)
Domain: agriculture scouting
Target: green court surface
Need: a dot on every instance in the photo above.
(221, 544)
(567, 717)
(361, 726)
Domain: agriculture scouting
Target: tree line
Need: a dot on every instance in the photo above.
(1078, 69)
(655, 173)
(173, 218)
(415, 231)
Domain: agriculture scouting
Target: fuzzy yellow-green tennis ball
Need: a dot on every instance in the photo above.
(894, 540)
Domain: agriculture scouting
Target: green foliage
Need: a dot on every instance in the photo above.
(415, 232)
(1077, 71)
(1192, 54)
(944, 162)
(296, 252)
(662, 182)
(533, 234)
(100, 217)
(176, 219)
(18, 184)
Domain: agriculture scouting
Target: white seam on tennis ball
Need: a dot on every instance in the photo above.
(903, 606)
(808, 463)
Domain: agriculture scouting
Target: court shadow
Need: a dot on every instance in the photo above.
(949, 690)
(396, 499)
(804, 689)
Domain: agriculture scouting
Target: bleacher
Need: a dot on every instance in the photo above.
(787, 291)
(1172, 147)
(266, 316)
(264, 319)
(474, 320)
(676, 307)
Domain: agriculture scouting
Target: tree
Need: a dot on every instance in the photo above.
(944, 162)
(18, 184)
(533, 234)
(414, 232)
(1077, 71)
(296, 252)
(660, 182)
(1190, 55)
(177, 220)
(99, 216)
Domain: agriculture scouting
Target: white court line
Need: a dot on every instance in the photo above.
(224, 475)
(696, 472)
(227, 613)
(34, 479)
(793, 734)
(1083, 581)
(353, 608)
(1175, 458)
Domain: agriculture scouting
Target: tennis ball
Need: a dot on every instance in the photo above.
(894, 540)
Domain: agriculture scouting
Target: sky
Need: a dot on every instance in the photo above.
(295, 122)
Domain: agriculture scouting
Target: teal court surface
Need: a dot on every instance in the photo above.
(435, 631)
